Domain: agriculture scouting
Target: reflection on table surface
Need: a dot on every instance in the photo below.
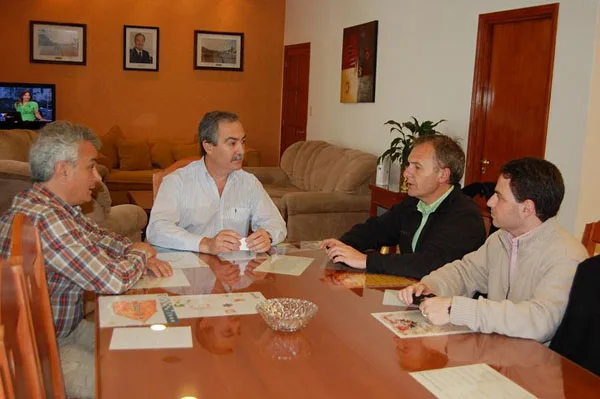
(343, 352)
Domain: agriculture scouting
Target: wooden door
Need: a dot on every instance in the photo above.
(511, 89)
(295, 94)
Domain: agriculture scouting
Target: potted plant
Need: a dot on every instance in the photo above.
(401, 146)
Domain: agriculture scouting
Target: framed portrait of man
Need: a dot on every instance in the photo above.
(140, 45)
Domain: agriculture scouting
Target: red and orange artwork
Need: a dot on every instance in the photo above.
(359, 59)
(136, 310)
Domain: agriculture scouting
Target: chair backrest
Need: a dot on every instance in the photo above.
(158, 177)
(481, 192)
(6, 385)
(591, 237)
(19, 337)
(27, 256)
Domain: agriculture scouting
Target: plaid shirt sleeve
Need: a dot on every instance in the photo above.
(83, 253)
(114, 244)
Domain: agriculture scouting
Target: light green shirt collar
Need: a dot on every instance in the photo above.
(428, 209)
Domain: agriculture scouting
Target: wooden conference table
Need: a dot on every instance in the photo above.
(344, 352)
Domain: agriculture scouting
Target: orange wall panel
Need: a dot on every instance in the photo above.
(167, 104)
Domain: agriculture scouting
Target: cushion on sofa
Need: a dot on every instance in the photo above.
(131, 176)
(134, 155)
(320, 166)
(15, 143)
(109, 144)
(181, 151)
(161, 154)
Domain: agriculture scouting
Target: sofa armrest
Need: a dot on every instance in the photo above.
(16, 169)
(324, 202)
(269, 175)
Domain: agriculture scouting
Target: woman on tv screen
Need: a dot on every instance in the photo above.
(28, 108)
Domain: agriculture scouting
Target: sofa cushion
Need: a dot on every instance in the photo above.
(181, 151)
(161, 154)
(15, 143)
(109, 144)
(278, 191)
(320, 166)
(131, 176)
(134, 155)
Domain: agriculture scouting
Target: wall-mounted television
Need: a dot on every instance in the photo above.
(42, 93)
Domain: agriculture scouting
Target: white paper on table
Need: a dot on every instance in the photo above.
(315, 245)
(231, 304)
(285, 264)
(178, 279)
(182, 259)
(472, 381)
(143, 303)
(146, 338)
(237, 256)
(390, 297)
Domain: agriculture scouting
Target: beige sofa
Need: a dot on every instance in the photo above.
(321, 190)
(127, 220)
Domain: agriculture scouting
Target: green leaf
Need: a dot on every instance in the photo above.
(394, 123)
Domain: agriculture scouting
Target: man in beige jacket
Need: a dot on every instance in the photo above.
(526, 268)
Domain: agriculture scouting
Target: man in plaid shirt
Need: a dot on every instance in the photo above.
(79, 256)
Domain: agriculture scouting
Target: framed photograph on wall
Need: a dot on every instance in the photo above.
(219, 50)
(359, 59)
(57, 43)
(140, 45)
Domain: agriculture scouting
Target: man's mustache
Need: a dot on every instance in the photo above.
(238, 157)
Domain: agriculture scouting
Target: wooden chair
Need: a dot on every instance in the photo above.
(6, 385)
(157, 177)
(591, 237)
(27, 261)
(19, 337)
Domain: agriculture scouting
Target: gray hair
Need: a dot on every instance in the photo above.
(57, 141)
(209, 126)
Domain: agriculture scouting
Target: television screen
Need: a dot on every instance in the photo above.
(43, 94)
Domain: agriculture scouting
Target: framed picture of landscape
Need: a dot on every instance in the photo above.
(57, 43)
(218, 50)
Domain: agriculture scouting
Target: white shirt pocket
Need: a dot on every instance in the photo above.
(238, 219)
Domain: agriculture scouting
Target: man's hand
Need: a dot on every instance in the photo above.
(436, 309)
(406, 295)
(338, 252)
(158, 268)
(224, 241)
(145, 247)
(259, 241)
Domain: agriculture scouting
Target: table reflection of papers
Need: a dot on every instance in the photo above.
(473, 381)
(285, 264)
(181, 260)
(237, 256)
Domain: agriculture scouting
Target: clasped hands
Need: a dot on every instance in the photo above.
(434, 309)
(338, 252)
(229, 240)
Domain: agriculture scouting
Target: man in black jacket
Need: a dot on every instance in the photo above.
(435, 225)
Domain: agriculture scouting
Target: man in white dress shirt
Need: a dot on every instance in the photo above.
(209, 205)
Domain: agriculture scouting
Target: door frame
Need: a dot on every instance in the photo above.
(479, 99)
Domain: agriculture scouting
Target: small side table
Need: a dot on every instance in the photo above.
(384, 197)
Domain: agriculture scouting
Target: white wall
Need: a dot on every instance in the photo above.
(425, 60)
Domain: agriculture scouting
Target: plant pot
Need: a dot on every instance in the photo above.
(396, 181)
(383, 173)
